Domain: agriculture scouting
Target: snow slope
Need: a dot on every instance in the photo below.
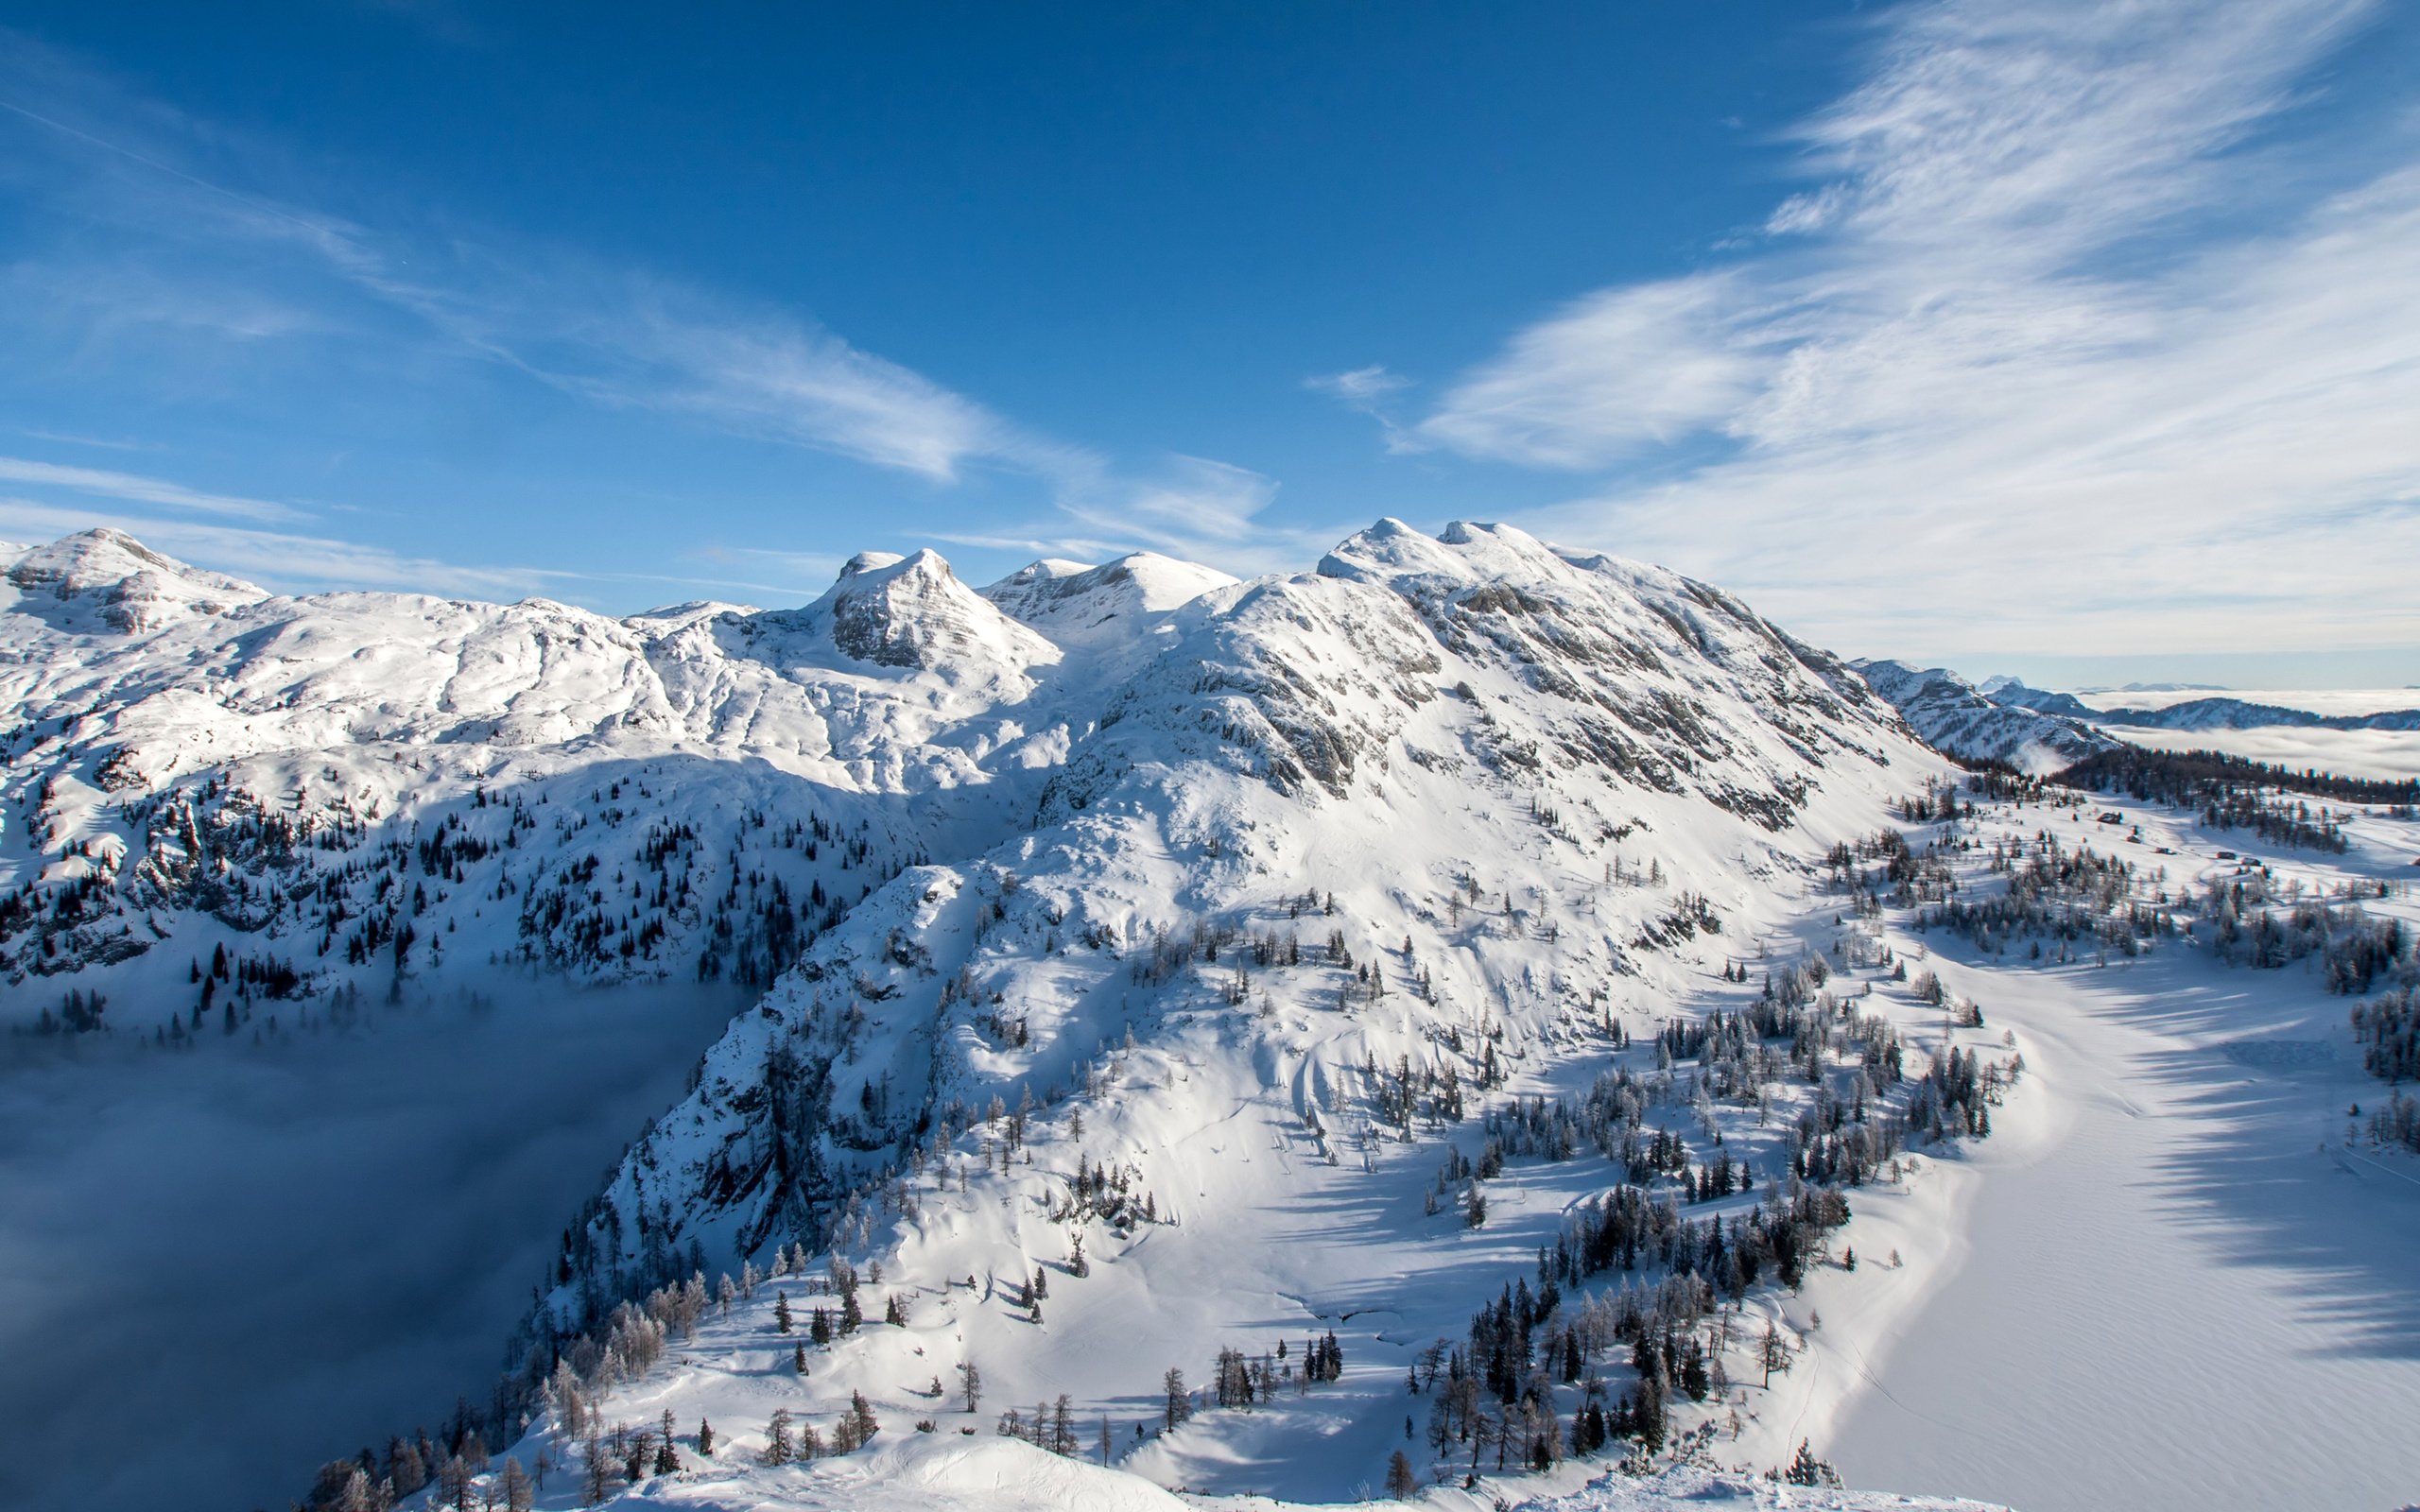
(2177, 1268)
(952, 1474)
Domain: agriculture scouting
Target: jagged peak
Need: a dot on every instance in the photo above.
(913, 611)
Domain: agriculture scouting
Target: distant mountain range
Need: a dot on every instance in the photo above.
(2039, 730)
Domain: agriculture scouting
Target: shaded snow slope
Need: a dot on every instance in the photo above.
(2176, 1265)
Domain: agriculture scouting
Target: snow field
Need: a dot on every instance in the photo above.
(2175, 1272)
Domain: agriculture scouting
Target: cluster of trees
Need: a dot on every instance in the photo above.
(1112, 1194)
(454, 1469)
(2388, 1028)
(1690, 914)
(2396, 1122)
(1405, 1091)
(1239, 1379)
(2276, 820)
(1784, 1035)
(1051, 1427)
(1957, 1094)
(77, 1014)
(852, 1429)
(2192, 778)
(1938, 802)
(624, 1455)
(2356, 949)
(2068, 895)
(1904, 874)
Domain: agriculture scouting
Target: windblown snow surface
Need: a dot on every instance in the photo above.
(1257, 935)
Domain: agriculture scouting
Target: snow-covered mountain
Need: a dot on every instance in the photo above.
(2239, 714)
(2039, 730)
(2020, 725)
(2011, 694)
(1187, 943)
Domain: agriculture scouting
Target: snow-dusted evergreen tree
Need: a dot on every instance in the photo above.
(779, 1450)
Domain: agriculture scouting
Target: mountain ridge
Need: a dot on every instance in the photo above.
(1233, 901)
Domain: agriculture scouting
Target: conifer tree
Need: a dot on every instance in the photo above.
(1774, 1354)
(518, 1494)
(596, 1471)
(1650, 1418)
(781, 1312)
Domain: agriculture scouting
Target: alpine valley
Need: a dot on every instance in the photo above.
(1471, 1020)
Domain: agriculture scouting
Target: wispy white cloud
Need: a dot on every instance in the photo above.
(1363, 388)
(292, 561)
(2060, 353)
(612, 334)
(1038, 545)
(1620, 371)
(1200, 510)
(71, 438)
(137, 490)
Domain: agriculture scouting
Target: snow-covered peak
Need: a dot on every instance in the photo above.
(1386, 549)
(1465, 552)
(1073, 603)
(870, 561)
(106, 577)
(913, 613)
(1037, 573)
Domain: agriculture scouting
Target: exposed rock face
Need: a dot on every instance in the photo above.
(1954, 717)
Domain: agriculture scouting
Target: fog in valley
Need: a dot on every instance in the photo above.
(220, 1266)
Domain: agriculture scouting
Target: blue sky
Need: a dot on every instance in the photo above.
(2077, 341)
